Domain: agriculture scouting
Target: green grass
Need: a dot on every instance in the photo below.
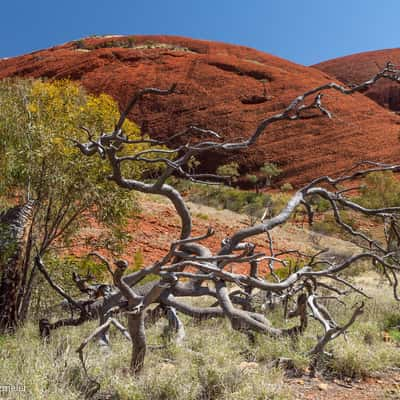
(207, 366)
(214, 362)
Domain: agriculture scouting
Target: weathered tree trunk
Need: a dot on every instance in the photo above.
(15, 226)
(138, 334)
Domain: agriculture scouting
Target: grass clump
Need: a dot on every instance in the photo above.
(355, 358)
(365, 350)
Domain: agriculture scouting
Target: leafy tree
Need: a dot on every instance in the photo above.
(39, 161)
(267, 172)
(264, 176)
(253, 179)
(193, 164)
(231, 170)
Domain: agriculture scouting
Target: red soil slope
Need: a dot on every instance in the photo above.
(359, 67)
(226, 88)
(152, 231)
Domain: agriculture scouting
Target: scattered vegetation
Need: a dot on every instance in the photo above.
(241, 201)
(223, 197)
(126, 43)
(123, 43)
(368, 348)
(205, 367)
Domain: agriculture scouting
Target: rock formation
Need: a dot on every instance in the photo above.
(226, 88)
(358, 67)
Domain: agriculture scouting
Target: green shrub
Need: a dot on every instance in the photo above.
(320, 204)
(138, 260)
(283, 271)
(264, 176)
(60, 269)
(328, 225)
(394, 334)
(381, 189)
(231, 170)
(138, 264)
(131, 42)
(205, 217)
(286, 187)
(279, 202)
(80, 44)
(391, 320)
(222, 197)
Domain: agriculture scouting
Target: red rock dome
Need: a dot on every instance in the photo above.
(226, 88)
(359, 67)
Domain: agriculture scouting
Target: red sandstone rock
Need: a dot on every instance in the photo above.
(359, 67)
(229, 89)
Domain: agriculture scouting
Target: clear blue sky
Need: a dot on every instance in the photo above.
(304, 31)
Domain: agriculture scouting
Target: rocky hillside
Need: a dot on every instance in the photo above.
(358, 67)
(225, 88)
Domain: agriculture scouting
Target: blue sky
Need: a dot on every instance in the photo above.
(304, 31)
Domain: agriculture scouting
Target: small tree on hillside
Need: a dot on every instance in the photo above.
(264, 176)
(231, 170)
(253, 180)
(268, 172)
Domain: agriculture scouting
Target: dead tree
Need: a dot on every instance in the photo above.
(189, 259)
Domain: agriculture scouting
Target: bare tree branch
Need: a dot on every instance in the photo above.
(189, 259)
